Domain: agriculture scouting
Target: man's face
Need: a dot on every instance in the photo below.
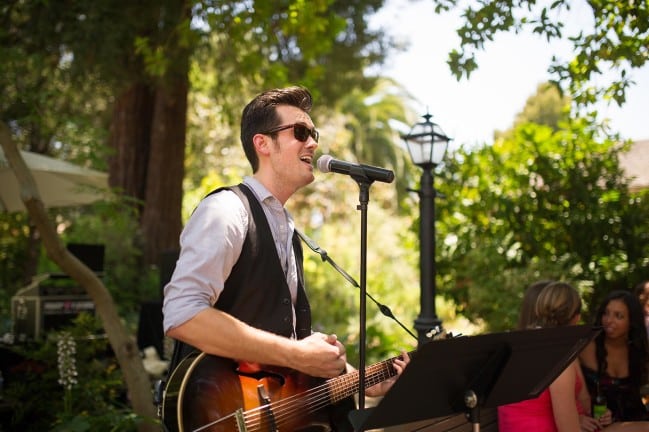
(291, 159)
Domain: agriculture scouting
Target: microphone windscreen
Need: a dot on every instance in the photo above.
(323, 163)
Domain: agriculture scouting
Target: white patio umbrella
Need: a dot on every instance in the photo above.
(60, 183)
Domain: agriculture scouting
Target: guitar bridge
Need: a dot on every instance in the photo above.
(241, 422)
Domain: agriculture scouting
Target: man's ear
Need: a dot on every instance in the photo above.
(261, 143)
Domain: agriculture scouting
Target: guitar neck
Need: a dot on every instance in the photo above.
(347, 385)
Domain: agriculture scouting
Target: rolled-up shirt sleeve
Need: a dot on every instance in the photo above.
(210, 245)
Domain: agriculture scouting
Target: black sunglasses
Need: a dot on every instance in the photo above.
(300, 132)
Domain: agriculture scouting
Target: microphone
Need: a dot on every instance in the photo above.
(326, 164)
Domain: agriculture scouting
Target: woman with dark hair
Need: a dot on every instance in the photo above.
(615, 363)
(642, 292)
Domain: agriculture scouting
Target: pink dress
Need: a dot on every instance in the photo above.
(532, 414)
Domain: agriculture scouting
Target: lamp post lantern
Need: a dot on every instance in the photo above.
(427, 146)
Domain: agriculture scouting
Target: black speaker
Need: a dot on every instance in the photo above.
(167, 266)
(91, 255)
(149, 329)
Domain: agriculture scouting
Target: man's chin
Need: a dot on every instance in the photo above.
(309, 179)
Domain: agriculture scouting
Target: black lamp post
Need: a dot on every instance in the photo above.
(427, 146)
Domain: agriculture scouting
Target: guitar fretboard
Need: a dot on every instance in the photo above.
(347, 385)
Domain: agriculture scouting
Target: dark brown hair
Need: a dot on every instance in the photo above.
(637, 339)
(260, 115)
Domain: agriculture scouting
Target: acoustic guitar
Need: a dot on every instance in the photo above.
(210, 393)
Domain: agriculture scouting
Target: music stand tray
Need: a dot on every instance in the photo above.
(466, 373)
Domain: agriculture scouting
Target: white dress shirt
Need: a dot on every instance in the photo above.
(211, 243)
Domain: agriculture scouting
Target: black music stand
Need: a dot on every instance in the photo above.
(465, 374)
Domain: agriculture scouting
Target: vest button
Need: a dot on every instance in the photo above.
(286, 319)
(286, 301)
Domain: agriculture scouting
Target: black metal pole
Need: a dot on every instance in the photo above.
(364, 184)
(427, 319)
(364, 198)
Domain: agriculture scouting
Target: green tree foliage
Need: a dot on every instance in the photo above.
(324, 44)
(140, 54)
(371, 137)
(14, 240)
(249, 46)
(541, 203)
(53, 105)
(618, 40)
(546, 107)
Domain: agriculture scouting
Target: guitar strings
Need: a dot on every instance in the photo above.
(287, 409)
(315, 398)
(283, 412)
(333, 390)
(212, 423)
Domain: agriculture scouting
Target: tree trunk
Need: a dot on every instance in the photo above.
(161, 219)
(148, 133)
(130, 138)
(123, 344)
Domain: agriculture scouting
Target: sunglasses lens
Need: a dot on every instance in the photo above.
(302, 133)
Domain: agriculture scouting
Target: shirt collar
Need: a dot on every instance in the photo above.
(258, 189)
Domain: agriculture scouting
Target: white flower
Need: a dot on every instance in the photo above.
(66, 349)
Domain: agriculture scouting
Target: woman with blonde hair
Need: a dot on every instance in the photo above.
(564, 406)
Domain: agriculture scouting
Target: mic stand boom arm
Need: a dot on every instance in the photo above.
(385, 310)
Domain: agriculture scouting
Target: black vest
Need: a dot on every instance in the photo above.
(256, 291)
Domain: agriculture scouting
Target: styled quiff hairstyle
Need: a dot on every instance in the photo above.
(260, 115)
(557, 304)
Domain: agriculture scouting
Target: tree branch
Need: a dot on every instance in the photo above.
(123, 344)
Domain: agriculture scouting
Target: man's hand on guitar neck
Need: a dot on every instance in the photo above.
(319, 355)
(382, 388)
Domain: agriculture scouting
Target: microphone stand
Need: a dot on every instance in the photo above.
(363, 198)
(359, 174)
